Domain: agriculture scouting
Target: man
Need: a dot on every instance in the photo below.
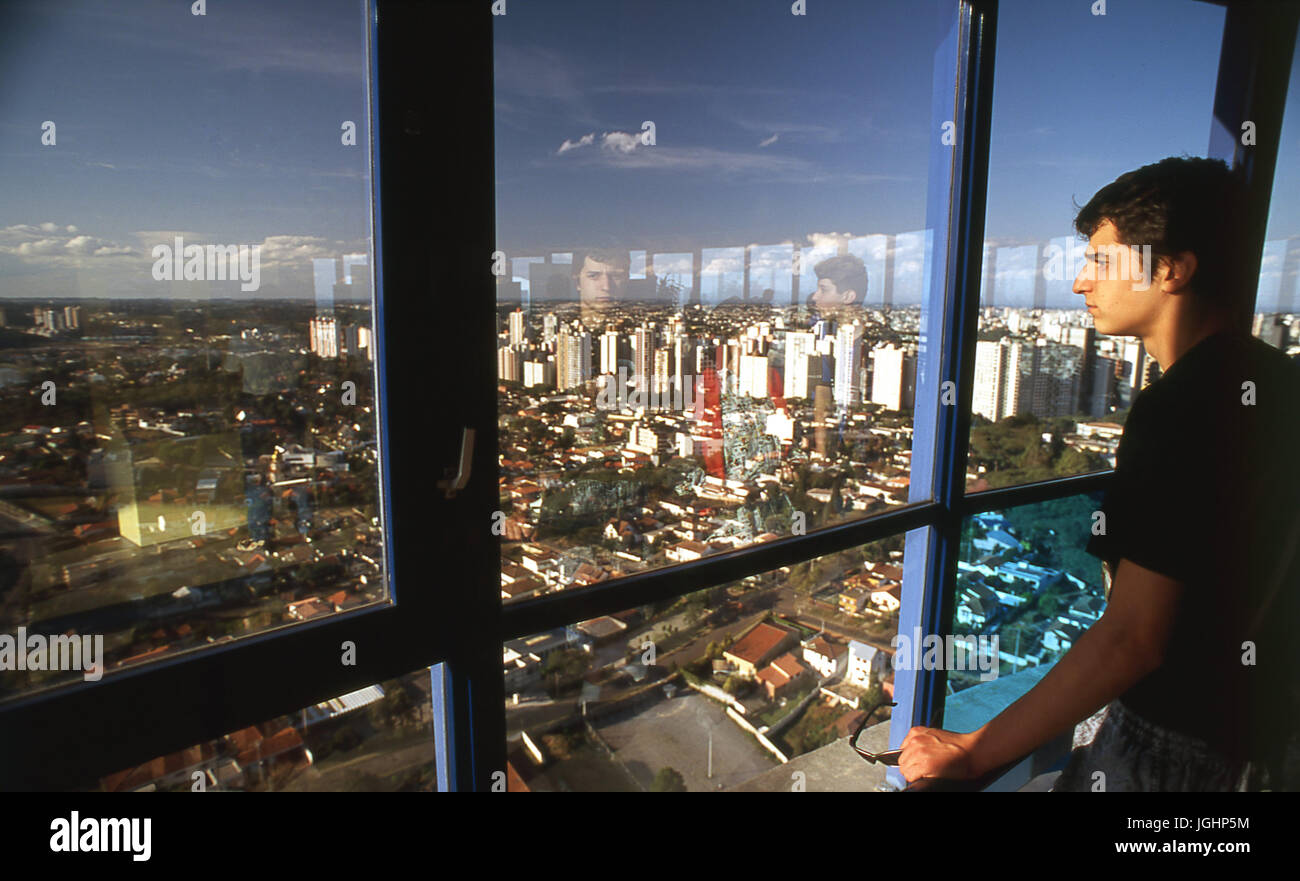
(1192, 664)
(600, 277)
(841, 287)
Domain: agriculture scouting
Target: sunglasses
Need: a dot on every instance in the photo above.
(889, 756)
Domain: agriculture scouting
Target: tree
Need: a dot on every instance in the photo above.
(668, 780)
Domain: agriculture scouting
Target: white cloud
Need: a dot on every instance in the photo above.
(767, 142)
(47, 226)
(620, 142)
(584, 141)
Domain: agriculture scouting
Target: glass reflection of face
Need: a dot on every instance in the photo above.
(829, 298)
(600, 285)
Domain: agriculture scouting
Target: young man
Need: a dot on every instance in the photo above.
(841, 287)
(1185, 681)
(600, 277)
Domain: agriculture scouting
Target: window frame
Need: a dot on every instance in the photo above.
(69, 736)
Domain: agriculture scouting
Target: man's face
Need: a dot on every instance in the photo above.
(1120, 299)
(829, 298)
(600, 285)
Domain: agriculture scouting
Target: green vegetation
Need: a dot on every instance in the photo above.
(1014, 452)
(668, 780)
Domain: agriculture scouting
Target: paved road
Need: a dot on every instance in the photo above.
(675, 733)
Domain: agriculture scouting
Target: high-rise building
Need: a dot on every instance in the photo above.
(609, 345)
(539, 373)
(572, 358)
(510, 364)
(643, 356)
(751, 378)
(324, 335)
(798, 346)
(893, 381)
(1055, 379)
(550, 324)
(1105, 383)
(518, 328)
(848, 357)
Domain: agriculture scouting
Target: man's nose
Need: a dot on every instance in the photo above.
(1081, 282)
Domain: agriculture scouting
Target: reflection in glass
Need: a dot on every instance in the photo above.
(1027, 587)
(712, 690)
(188, 420)
(688, 362)
(375, 739)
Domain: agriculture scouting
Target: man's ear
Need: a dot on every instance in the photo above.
(1181, 268)
(849, 297)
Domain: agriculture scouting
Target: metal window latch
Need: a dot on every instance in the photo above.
(456, 481)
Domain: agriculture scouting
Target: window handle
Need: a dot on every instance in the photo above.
(452, 484)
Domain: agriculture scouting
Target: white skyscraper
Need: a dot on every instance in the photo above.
(572, 359)
(324, 333)
(518, 328)
(893, 381)
(609, 352)
(848, 358)
(798, 346)
(751, 378)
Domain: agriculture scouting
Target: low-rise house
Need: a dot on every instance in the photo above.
(758, 647)
(783, 676)
(866, 664)
(829, 658)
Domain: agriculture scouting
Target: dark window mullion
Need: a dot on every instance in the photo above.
(556, 610)
(969, 197)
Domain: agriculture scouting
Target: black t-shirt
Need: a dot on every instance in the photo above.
(1206, 491)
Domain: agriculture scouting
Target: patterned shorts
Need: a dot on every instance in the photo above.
(1135, 755)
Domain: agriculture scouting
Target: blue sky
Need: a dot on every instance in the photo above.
(770, 128)
(776, 128)
(224, 129)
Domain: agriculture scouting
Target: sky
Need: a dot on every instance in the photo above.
(221, 129)
(770, 128)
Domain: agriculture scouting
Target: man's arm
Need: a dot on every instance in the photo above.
(1115, 653)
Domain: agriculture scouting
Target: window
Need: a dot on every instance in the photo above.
(1277, 300)
(1026, 589)
(190, 431)
(717, 270)
(715, 690)
(1047, 385)
(374, 739)
(469, 582)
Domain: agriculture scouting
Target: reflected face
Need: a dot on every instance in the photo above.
(1119, 298)
(828, 297)
(600, 285)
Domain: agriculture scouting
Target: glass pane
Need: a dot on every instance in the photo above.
(188, 423)
(708, 691)
(1026, 590)
(1047, 385)
(715, 275)
(375, 739)
(1277, 300)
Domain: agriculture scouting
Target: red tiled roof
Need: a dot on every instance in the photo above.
(758, 643)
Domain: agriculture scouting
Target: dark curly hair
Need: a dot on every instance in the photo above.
(848, 272)
(1174, 205)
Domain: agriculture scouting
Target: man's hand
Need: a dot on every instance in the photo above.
(933, 752)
